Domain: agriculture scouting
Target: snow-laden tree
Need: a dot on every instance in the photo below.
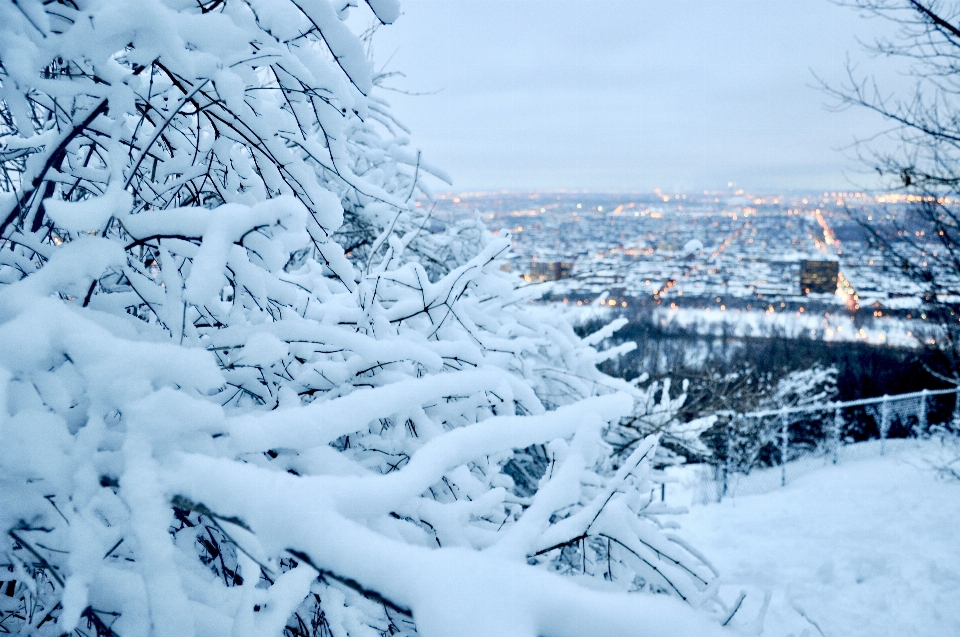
(247, 389)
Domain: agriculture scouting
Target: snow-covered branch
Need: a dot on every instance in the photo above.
(247, 389)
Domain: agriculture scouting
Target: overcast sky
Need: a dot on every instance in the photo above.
(630, 94)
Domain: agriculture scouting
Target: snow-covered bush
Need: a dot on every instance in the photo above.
(659, 410)
(245, 389)
(746, 443)
(802, 388)
(659, 413)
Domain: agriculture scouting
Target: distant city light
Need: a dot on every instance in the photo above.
(644, 261)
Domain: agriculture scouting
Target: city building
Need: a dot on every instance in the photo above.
(819, 277)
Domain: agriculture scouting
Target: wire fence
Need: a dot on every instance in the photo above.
(756, 452)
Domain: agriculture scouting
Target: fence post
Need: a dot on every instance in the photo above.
(837, 428)
(784, 443)
(884, 421)
(726, 460)
(955, 422)
(922, 414)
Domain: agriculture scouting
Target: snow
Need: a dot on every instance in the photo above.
(736, 322)
(838, 327)
(863, 548)
(693, 246)
(91, 214)
(497, 596)
(343, 44)
(387, 11)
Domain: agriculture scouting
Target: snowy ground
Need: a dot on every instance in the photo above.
(838, 327)
(864, 548)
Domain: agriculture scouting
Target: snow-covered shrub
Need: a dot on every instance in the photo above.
(746, 443)
(246, 389)
(802, 388)
(657, 410)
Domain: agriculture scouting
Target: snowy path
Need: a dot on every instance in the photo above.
(868, 548)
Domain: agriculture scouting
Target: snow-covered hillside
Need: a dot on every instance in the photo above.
(864, 548)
